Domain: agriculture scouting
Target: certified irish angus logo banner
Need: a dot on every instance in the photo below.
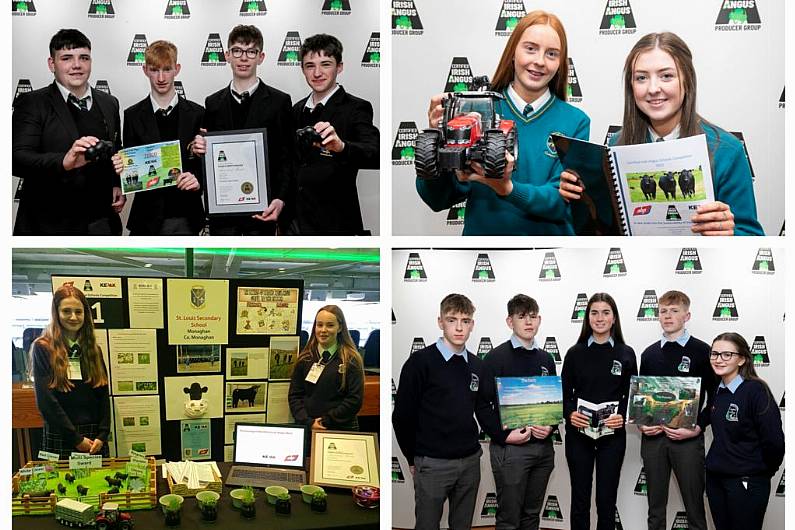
(397, 471)
(101, 9)
(291, 49)
(552, 511)
(619, 526)
(780, 488)
(372, 53)
(177, 9)
(250, 8)
(612, 130)
(763, 264)
(180, 89)
(489, 508)
(511, 13)
(615, 266)
(137, 49)
(738, 15)
(618, 19)
(648, 309)
(405, 19)
(573, 90)
(484, 347)
(781, 99)
(417, 344)
(550, 272)
(23, 87)
(689, 262)
(551, 347)
(726, 308)
(578, 314)
(23, 8)
(103, 86)
(415, 272)
(336, 7)
(759, 352)
(460, 77)
(483, 271)
(640, 484)
(456, 214)
(198, 311)
(680, 521)
(405, 140)
(213, 51)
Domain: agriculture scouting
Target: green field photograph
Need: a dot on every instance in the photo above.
(527, 401)
(669, 401)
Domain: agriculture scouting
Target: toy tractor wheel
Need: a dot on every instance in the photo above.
(511, 145)
(125, 525)
(426, 154)
(102, 525)
(494, 156)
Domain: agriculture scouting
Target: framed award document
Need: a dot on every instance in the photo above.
(343, 459)
(236, 168)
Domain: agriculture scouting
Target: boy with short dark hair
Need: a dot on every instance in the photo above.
(439, 390)
(522, 460)
(677, 353)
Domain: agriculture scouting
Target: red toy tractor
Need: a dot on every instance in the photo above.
(470, 130)
(110, 518)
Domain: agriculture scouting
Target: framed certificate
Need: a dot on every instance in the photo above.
(343, 459)
(236, 170)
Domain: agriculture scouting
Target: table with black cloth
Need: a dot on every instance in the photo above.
(342, 512)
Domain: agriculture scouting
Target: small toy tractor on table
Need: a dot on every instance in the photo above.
(470, 131)
(110, 518)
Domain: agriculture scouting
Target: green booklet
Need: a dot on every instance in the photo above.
(149, 167)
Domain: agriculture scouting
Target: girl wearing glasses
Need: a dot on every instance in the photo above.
(327, 386)
(748, 441)
(597, 369)
(70, 378)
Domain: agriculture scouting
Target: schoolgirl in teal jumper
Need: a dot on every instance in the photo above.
(532, 72)
(660, 103)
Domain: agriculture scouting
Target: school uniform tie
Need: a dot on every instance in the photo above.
(164, 112)
(74, 350)
(81, 103)
(528, 110)
(660, 139)
(326, 356)
(242, 97)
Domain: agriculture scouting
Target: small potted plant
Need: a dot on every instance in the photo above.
(283, 504)
(208, 504)
(247, 506)
(172, 506)
(319, 502)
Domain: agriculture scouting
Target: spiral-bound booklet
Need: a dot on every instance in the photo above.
(643, 189)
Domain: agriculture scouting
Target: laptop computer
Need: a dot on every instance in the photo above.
(268, 455)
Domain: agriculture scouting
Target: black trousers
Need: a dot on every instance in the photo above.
(737, 503)
(582, 452)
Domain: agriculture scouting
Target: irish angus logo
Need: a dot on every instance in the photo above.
(336, 7)
(403, 148)
(551, 347)
(552, 511)
(617, 19)
(672, 214)
(483, 271)
(397, 472)
(103, 86)
(725, 309)
(759, 352)
(405, 19)
(680, 521)
(615, 265)
(394, 391)
(137, 49)
(253, 8)
(484, 347)
(555, 435)
(781, 100)
(23, 87)
(180, 89)
(612, 130)
(573, 90)
(372, 54)
(21, 8)
(291, 50)
(648, 310)
(689, 262)
(763, 264)
(460, 77)
(489, 505)
(213, 51)
(456, 214)
(101, 9)
(740, 137)
(780, 488)
(417, 344)
(781, 403)
(738, 15)
(177, 9)
(640, 485)
(578, 313)
(415, 272)
(550, 272)
(511, 13)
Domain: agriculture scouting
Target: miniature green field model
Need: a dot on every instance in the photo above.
(470, 131)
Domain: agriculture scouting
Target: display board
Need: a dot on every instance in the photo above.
(181, 373)
(120, 30)
(738, 289)
(431, 54)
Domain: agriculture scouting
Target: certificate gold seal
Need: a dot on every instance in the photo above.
(247, 188)
(357, 470)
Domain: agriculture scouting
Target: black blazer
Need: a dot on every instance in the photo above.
(150, 208)
(326, 200)
(270, 109)
(54, 201)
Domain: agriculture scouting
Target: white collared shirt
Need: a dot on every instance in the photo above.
(65, 93)
(311, 104)
(592, 340)
(250, 90)
(681, 340)
(673, 135)
(520, 103)
(516, 343)
(156, 106)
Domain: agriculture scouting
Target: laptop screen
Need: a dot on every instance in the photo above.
(269, 445)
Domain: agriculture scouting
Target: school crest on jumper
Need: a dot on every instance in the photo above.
(23, 8)
(731, 412)
(405, 19)
(552, 151)
(489, 509)
(397, 471)
(615, 266)
(511, 12)
(137, 49)
(552, 511)
(759, 352)
(253, 8)
(689, 262)
(474, 383)
(738, 15)
(405, 140)
(459, 79)
(101, 9)
(763, 264)
(372, 53)
(649, 309)
(618, 19)
(550, 272)
(177, 9)
(291, 50)
(726, 308)
(213, 51)
(616, 369)
(573, 90)
(684, 364)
